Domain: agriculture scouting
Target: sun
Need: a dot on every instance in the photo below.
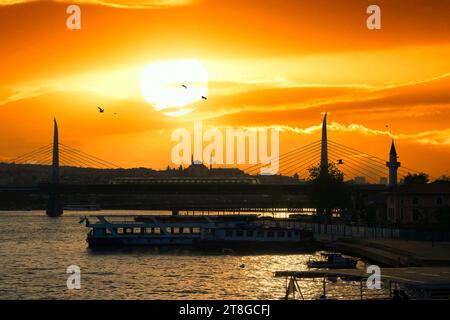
(173, 86)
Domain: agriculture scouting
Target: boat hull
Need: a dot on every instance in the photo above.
(262, 245)
(326, 265)
(133, 241)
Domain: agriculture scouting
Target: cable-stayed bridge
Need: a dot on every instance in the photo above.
(68, 156)
(353, 163)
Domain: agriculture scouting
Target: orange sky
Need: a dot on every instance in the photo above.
(270, 63)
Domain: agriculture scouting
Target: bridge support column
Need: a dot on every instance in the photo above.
(54, 206)
(324, 148)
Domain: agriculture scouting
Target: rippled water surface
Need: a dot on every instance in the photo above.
(35, 252)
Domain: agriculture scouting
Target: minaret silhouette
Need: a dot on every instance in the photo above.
(393, 166)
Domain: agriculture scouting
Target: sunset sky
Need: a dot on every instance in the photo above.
(269, 64)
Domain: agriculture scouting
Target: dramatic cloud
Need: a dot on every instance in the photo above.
(138, 4)
(433, 137)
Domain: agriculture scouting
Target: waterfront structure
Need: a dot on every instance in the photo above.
(415, 283)
(187, 180)
(426, 203)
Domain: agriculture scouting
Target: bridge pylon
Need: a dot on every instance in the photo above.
(54, 206)
(324, 147)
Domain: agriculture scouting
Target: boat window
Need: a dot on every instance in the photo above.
(137, 230)
(296, 233)
(119, 230)
(260, 234)
(280, 234)
(249, 233)
(128, 230)
(148, 230)
(270, 234)
(229, 233)
(239, 233)
(107, 231)
(289, 234)
(196, 230)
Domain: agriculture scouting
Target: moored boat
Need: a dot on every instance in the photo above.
(200, 231)
(254, 237)
(333, 260)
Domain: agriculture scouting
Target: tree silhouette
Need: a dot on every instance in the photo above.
(416, 179)
(328, 191)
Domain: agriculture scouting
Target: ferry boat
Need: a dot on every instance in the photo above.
(200, 231)
(253, 236)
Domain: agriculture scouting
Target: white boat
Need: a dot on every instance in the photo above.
(333, 260)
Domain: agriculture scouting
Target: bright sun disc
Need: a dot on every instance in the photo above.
(172, 85)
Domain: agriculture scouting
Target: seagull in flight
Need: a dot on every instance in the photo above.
(204, 98)
(101, 110)
(184, 86)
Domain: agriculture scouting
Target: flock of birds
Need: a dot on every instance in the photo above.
(102, 110)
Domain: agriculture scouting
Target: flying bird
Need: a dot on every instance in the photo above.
(101, 110)
(204, 98)
(340, 161)
(184, 86)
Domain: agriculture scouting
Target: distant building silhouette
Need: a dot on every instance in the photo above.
(425, 203)
(360, 180)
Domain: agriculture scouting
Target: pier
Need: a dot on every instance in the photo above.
(396, 252)
(419, 283)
